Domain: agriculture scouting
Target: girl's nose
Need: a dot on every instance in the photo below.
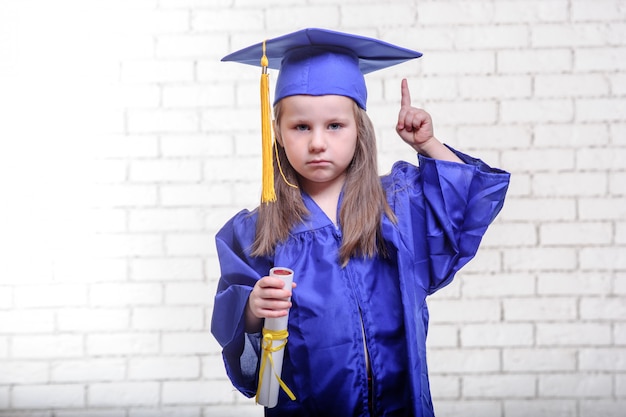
(317, 142)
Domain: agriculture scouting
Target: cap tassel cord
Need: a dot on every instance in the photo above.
(268, 193)
(280, 168)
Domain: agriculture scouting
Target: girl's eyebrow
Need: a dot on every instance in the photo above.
(298, 121)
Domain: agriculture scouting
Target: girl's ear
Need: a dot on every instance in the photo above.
(277, 133)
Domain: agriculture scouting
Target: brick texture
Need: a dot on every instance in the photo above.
(125, 145)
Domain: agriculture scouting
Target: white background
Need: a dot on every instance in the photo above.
(125, 145)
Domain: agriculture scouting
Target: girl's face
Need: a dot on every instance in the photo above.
(319, 134)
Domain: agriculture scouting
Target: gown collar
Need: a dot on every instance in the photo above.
(317, 219)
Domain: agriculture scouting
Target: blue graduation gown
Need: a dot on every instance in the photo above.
(443, 209)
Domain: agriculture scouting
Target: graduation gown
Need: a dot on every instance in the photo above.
(443, 209)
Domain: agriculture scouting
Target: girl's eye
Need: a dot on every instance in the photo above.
(334, 126)
(302, 127)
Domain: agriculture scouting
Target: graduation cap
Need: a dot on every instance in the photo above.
(315, 62)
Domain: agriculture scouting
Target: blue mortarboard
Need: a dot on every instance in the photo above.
(314, 62)
(320, 62)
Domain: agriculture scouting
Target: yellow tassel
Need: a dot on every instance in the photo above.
(268, 193)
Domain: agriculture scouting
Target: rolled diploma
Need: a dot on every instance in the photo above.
(270, 386)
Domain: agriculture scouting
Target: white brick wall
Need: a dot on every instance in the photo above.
(125, 144)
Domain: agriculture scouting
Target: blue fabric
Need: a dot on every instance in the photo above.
(305, 71)
(443, 210)
(319, 62)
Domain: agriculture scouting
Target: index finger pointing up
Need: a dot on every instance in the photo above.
(406, 94)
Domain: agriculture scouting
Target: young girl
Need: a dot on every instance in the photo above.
(365, 250)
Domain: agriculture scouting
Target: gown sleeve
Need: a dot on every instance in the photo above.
(444, 209)
(239, 273)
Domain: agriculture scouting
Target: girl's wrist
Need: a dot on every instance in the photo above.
(429, 147)
(434, 149)
(253, 324)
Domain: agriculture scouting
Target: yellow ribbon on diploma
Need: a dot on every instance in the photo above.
(269, 336)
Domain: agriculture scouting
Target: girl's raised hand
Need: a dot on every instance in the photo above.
(414, 126)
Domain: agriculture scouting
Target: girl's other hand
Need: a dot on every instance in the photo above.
(268, 299)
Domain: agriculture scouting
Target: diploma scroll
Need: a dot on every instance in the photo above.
(273, 350)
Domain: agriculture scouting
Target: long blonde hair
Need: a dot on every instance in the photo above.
(362, 208)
